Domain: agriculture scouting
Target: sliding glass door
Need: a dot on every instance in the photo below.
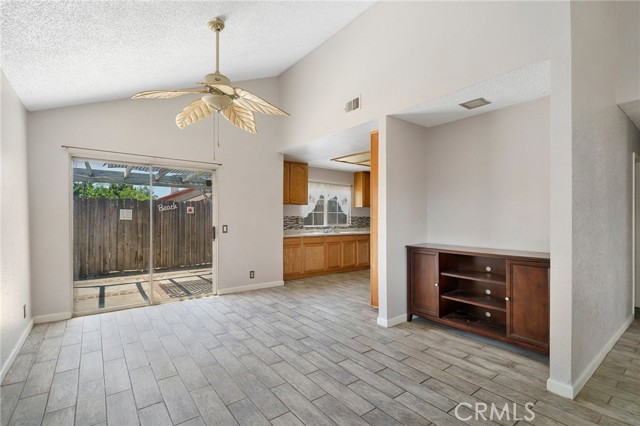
(182, 235)
(141, 235)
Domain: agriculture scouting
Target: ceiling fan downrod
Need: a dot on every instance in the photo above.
(217, 25)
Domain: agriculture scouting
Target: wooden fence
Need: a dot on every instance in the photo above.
(107, 240)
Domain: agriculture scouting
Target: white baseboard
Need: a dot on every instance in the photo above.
(250, 287)
(392, 321)
(569, 390)
(563, 389)
(60, 316)
(16, 349)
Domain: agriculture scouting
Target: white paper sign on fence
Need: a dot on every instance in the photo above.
(126, 214)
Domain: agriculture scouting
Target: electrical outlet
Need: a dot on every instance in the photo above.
(225, 229)
(252, 274)
(24, 311)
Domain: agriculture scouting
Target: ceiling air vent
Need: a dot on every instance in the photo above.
(475, 103)
(352, 105)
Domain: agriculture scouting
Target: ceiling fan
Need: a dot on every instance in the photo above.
(235, 104)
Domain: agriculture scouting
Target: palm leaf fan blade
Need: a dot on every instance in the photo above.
(256, 103)
(165, 94)
(193, 112)
(241, 117)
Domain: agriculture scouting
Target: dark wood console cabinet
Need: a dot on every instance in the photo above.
(502, 294)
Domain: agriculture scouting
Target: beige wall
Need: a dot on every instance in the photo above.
(399, 54)
(402, 212)
(249, 184)
(488, 179)
(603, 140)
(15, 289)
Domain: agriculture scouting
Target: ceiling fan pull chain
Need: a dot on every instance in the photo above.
(217, 119)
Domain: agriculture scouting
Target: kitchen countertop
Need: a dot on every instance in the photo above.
(305, 233)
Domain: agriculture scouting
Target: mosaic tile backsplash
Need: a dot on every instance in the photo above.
(297, 222)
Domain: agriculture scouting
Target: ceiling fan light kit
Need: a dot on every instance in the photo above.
(235, 104)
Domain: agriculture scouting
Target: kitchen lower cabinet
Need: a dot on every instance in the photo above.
(349, 251)
(334, 252)
(314, 254)
(363, 250)
(293, 256)
(319, 255)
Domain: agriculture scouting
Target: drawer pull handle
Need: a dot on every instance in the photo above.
(436, 284)
(507, 299)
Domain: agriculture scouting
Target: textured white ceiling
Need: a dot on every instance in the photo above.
(522, 85)
(319, 152)
(60, 53)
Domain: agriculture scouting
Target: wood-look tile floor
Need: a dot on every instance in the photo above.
(306, 353)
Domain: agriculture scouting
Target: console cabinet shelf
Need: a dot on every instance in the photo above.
(502, 294)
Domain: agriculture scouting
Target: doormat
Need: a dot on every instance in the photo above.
(187, 288)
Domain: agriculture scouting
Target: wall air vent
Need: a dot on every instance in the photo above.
(352, 105)
(475, 103)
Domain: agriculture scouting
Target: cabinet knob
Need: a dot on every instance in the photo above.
(506, 298)
(436, 284)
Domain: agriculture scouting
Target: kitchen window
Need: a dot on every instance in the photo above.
(329, 205)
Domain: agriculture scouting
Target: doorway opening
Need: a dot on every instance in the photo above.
(142, 234)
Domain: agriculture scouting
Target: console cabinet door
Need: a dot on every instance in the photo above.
(423, 283)
(528, 302)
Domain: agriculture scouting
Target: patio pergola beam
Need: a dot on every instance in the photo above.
(160, 174)
(127, 171)
(135, 178)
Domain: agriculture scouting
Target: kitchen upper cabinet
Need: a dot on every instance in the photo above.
(296, 183)
(361, 189)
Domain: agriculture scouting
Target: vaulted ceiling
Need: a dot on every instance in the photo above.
(61, 53)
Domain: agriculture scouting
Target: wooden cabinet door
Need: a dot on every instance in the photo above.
(298, 183)
(528, 302)
(361, 189)
(423, 283)
(313, 254)
(285, 183)
(334, 253)
(349, 252)
(292, 257)
(362, 251)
